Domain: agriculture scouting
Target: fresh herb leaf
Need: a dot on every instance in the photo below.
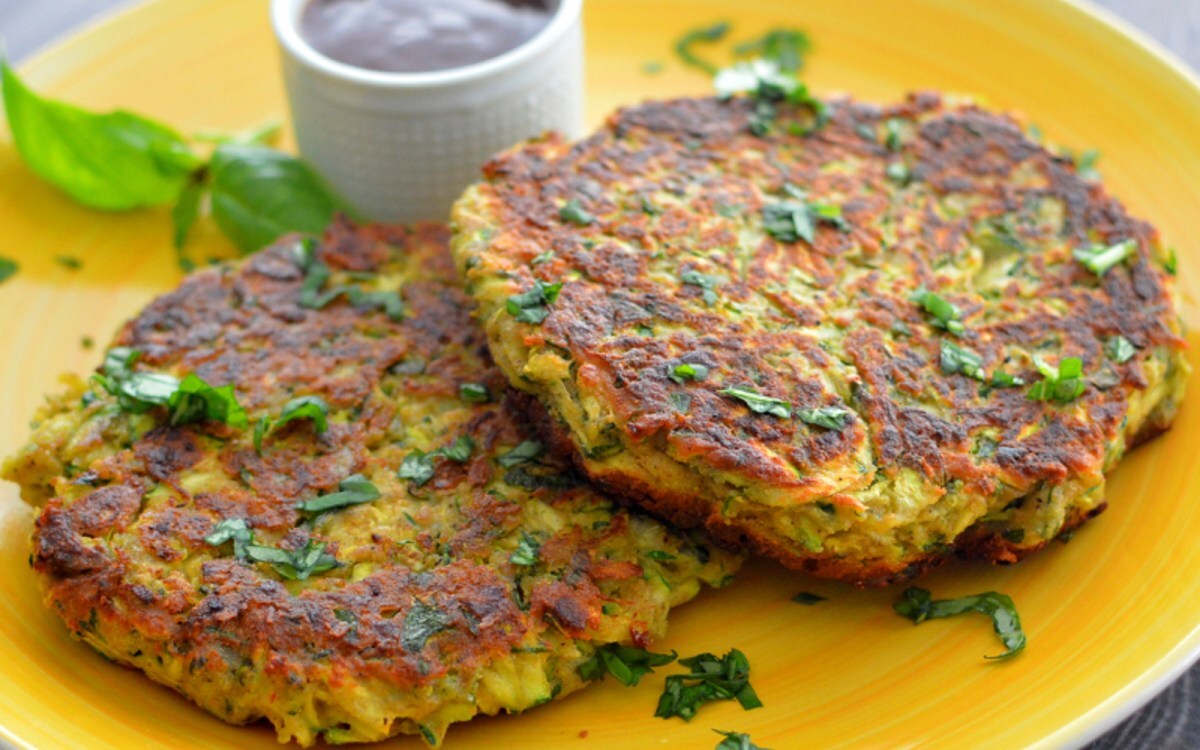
(353, 490)
(474, 393)
(526, 451)
(1119, 349)
(955, 359)
(261, 427)
(892, 137)
(295, 565)
(1085, 164)
(8, 267)
(945, 314)
(184, 215)
(684, 47)
(794, 220)
(533, 306)
(417, 466)
(526, 552)
(685, 371)
(306, 407)
(460, 450)
(519, 476)
(660, 555)
(784, 47)
(235, 530)
(736, 741)
(707, 283)
(422, 622)
(758, 403)
(194, 400)
(574, 212)
(1170, 265)
(829, 417)
(807, 598)
(259, 194)
(1100, 258)
(1063, 384)
(113, 162)
(627, 664)
(710, 679)
(918, 605)
(769, 86)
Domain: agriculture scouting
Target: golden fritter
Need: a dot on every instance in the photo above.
(854, 340)
(360, 538)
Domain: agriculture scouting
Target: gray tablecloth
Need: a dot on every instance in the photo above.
(1169, 722)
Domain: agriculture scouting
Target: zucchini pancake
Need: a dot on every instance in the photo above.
(853, 338)
(298, 490)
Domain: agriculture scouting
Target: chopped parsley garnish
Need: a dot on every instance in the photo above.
(710, 679)
(8, 267)
(353, 490)
(736, 741)
(794, 220)
(526, 552)
(686, 371)
(574, 212)
(958, 360)
(418, 465)
(704, 34)
(232, 529)
(1063, 384)
(829, 417)
(1100, 258)
(295, 565)
(917, 605)
(1119, 349)
(784, 47)
(316, 274)
(627, 664)
(758, 403)
(526, 451)
(808, 599)
(474, 393)
(707, 283)
(945, 314)
(422, 622)
(533, 306)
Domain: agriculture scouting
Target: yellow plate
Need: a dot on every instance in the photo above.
(1111, 617)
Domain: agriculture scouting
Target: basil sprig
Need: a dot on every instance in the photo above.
(628, 664)
(918, 605)
(120, 161)
(711, 678)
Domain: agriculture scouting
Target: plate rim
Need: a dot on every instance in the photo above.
(1082, 730)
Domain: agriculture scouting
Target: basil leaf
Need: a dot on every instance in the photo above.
(533, 306)
(918, 605)
(526, 552)
(794, 220)
(460, 450)
(706, 283)
(959, 360)
(526, 451)
(306, 407)
(1119, 349)
(422, 622)
(807, 598)
(829, 417)
(627, 664)
(1062, 384)
(194, 400)
(574, 212)
(259, 194)
(235, 530)
(1100, 258)
(736, 741)
(296, 565)
(519, 476)
(758, 403)
(417, 466)
(710, 679)
(687, 371)
(113, 162)
(8, 268)
(704, 34)
(184, 215)
(474, 393)
(945, 314)
(353, 490)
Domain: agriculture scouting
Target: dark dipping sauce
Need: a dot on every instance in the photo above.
(419, 36)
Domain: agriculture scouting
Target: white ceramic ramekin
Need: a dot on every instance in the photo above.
(403, 146)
